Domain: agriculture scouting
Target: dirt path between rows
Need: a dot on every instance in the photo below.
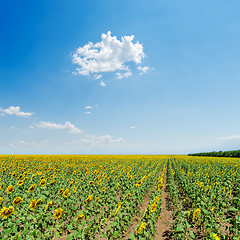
(165, 221)
(137, 219)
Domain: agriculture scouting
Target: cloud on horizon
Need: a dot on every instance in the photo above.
(234, 137)
(95, 141)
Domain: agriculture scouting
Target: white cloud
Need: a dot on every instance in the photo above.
(234, 137)
(143, 70)
(124, 75)
(98, 76)
(101, 140)
(23, 143)
(12, 127)
(108, 55)
(15, 111)
(87, 112)
(88, 107)
(132, 127)
(103, 84)
(67, 126)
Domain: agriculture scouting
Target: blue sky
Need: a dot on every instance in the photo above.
(157, 77)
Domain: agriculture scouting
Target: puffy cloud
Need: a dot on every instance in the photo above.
(88, 107)
(67, 126)
(124, 75)
(23, 143)
(234, 137)
(87, 112)
(101, 140)
(108, 55)
(143, 70)
(15, 111)
(132, 127)
(103, 84)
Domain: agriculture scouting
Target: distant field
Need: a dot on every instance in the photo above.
(119, 197)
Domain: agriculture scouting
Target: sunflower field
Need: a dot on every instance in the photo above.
(98, 197)
(75, 197)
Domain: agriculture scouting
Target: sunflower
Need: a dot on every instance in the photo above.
(80, 217)
(139, 183)
(52, 182)
(43, 182)
(66, 193)
(31, 189)
(89, 199)
(49, 204)
(58, 213)
(153, 207)
(60, 191)
(26, 178)
(91, 182)
(74, 189)
(96, 200)
(6, 212)
(16, 201)
(20, 183)
(103, 189)
(128, 195)
(38, 202)
(10, 188)
(20, 176)
(1, 186)
(141, 228)
(99, 182)
(32, 205)
(1, 199)
(76, 181)
(195, 213)
(70, 185)
(82, 179)
(14, 174)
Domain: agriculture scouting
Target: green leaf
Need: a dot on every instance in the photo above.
(179, 229)
(191, 234)
(132, 237)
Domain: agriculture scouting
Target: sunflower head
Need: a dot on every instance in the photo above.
(6, 212)
(31, 189)
(58, 213)
(32, 205)
(10, 188)
(66, 193)
(104, 189)
(80, 217)
(16, 201)
(60, 191)
(91, 182)
(1, 186)
(43, 182)
(20, 182)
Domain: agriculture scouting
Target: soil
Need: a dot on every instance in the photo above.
(165, 221)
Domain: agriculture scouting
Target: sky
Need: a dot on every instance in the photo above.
(119, 77)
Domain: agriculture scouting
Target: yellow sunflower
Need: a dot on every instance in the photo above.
(60, 191)
(89, 199)
(58, 213)
(10, 188)
(91, 182)
(80, 217)
(32, 205)
(38, 202)
(82, 179)
(16, 201)
(20, 183)
(31, 189)
(1, 186)
(66, 193)
(104, 189)
(43, 182)
(6, 212)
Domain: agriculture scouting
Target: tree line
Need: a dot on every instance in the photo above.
(234, 153)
